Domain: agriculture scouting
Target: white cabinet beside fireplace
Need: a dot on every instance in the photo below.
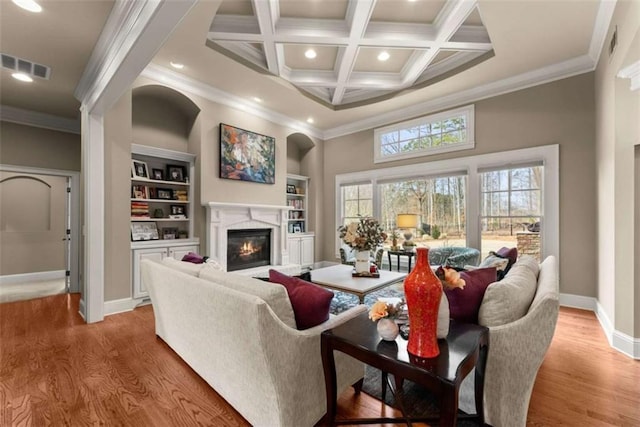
(301, 248)
(151, 250)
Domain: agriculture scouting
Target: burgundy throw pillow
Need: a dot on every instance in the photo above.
(193, 257)
(464, 304)
(511, 254)
(310, 302)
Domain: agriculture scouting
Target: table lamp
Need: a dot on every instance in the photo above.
(407, 221)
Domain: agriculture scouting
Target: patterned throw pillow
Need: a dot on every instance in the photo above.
(511, 254)
(500, 263)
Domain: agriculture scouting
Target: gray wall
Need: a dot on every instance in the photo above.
(561, 113)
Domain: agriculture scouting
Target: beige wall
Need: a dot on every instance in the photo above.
(117, 158)
(22, 145)
(615, 130)
(561, 113)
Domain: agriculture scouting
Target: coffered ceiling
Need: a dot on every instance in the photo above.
(421, 42)
(250, 54)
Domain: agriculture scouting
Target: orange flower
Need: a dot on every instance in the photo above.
(378, 310)
(452, 279)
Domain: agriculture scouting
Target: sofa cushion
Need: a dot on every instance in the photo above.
(183, 266)
(310, 302)
(509, 299)
(274, 294)
(464, 303)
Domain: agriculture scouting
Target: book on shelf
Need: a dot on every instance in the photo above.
(181, 195)
(140, 210)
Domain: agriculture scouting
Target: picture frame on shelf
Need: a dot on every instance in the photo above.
(177, 210)
(291, 189)
(139, 192)
(139, 169)
(143, 231)
(164, 193)
(297, 228)
(169, 233)
(176, 173)
(157, 174)
(246, 155)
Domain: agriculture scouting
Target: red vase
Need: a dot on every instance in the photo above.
(423, 291)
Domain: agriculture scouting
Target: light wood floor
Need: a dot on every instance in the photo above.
(56, 370)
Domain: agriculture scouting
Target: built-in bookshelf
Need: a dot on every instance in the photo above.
(297, 189)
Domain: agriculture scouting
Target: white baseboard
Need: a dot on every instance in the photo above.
(123, 305)
(40, 276)
(622, 342)
(81, 309)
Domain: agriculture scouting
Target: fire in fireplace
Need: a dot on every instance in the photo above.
(248, 248)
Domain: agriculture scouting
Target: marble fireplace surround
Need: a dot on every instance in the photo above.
(222, 217)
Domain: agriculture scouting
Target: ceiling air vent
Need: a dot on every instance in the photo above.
(27, 67)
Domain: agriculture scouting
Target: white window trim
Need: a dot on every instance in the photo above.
(548, 155)
(468, 111)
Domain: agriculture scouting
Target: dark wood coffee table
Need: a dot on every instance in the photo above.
(464, 348)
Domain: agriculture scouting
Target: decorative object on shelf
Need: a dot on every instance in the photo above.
(158, 213)
(176, 173)
(170, 233)
(407, 221)
(385, 314)
(144, 231)
(247, 156)
(423, 291)
(139, 169)
(139, 192)
(157, 174)
(291, 189)
(183, 234)
(362, 236)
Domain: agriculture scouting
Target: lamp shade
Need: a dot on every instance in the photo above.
(407, 221)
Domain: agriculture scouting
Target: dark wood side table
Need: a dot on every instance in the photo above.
(465, 347)
(398, 254)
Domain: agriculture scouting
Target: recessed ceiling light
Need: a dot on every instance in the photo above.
(310, 120)
(310, 53)
(30, 5)
(255, 98)
(383, 56)
(22, 77)
(177, 65)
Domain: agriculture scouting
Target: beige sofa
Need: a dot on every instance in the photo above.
(521, 312)
(239, 335)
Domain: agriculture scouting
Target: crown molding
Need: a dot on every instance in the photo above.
(631, 72)
(181, 82)
(562, 70)
(40, 120)
(600, 28)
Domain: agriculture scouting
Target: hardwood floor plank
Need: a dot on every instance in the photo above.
(57, 370)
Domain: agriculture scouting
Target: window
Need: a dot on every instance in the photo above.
(511, 209)
(485, 201)
(438, 133)
(439, 203)
(357, 201)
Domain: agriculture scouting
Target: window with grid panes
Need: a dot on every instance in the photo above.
(357, 201)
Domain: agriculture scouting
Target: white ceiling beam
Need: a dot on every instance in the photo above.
(235, 24)
(263, 11)
(358, 16)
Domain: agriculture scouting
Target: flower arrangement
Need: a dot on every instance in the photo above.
(381, 309)
(364, 235)
(450, 278)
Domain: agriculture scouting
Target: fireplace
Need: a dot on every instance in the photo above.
(248, 248)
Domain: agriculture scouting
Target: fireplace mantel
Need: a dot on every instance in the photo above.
(222, 217)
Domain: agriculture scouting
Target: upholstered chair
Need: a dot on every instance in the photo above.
(454, 256)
